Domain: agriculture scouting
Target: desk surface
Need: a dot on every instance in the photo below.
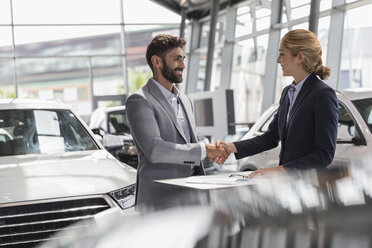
(212, 181)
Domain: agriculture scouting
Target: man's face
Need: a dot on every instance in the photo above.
(173, 65)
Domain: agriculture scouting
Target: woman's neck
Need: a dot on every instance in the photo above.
(300, 76)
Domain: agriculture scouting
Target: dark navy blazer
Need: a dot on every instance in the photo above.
(309, 139)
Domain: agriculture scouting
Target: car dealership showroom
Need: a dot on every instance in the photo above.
(185, 123)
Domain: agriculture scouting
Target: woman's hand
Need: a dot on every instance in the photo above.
(266, 171)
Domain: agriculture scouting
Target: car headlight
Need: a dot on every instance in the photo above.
(125, 197)
(129, 148)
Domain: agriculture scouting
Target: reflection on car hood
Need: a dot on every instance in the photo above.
(39, 176)
(297, 208)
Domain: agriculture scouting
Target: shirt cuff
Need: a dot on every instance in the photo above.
(203, 151)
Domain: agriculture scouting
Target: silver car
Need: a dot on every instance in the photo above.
(53, 172)
(354, 138)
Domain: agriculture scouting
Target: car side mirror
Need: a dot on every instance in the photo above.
(111, 141)
(358, 141)
(98, 131)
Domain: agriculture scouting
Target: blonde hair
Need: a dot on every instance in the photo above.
(300, 40)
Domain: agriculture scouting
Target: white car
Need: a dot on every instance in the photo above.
(113, 120)
(53, 172)
(354, 138)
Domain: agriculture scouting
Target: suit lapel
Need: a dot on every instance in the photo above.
(188, 112)
(158, 95)
(283, 117)
(301, 96)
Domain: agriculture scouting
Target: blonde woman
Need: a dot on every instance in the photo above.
(306, 120)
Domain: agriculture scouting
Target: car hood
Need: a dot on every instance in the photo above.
(42, 176)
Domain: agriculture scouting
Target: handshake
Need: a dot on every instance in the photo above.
(219, 151)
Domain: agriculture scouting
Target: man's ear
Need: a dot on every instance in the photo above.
(156, 61)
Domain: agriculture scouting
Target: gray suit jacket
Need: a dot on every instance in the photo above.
(163, 152)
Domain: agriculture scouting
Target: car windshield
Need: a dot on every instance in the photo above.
(364, 107)
(42, 131)
(118, 123)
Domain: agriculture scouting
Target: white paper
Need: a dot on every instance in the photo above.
(216, 180)
(47, 123)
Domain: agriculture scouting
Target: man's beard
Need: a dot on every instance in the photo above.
(170, 73)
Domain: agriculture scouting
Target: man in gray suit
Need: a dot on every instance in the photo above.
(163, 127)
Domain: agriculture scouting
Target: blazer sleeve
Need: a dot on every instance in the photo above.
(268, 140)
(326, 125)
(264, 142)
(146, 133)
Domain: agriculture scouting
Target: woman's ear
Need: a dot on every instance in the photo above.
(300, 57)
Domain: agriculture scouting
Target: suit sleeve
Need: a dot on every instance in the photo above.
(146, 133)
(326, 121)
(264, 142)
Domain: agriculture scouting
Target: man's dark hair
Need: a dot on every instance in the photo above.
(161, 44)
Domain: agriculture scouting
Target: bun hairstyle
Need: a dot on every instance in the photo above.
(301, 40)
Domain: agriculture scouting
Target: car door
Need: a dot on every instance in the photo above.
(351, 145)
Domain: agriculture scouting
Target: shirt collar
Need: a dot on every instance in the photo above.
(168, 95)
(300, 84)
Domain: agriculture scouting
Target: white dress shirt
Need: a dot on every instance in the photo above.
(173, 100)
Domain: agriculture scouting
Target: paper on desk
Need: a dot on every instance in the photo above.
(216, 180)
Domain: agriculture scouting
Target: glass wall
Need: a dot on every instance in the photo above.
(6, 78)
(61, 57)
(247, 77)
(5, 12)
(356, 58)
(249, 61)
(203, 53)
(244, 22)
(62, 48)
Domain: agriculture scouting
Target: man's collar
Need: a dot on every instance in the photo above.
(168, 95)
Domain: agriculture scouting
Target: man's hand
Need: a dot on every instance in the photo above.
(228, 146)
(218, 152)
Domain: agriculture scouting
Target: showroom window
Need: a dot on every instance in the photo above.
(247, 77)
(244, 25)
(263, 16)
(64, 44)
(356, 57)
(203, 53)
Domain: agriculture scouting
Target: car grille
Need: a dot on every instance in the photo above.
(27, 225)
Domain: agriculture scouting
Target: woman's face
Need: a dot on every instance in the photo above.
(288, 62)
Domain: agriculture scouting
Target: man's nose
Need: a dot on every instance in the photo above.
(183, 64)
